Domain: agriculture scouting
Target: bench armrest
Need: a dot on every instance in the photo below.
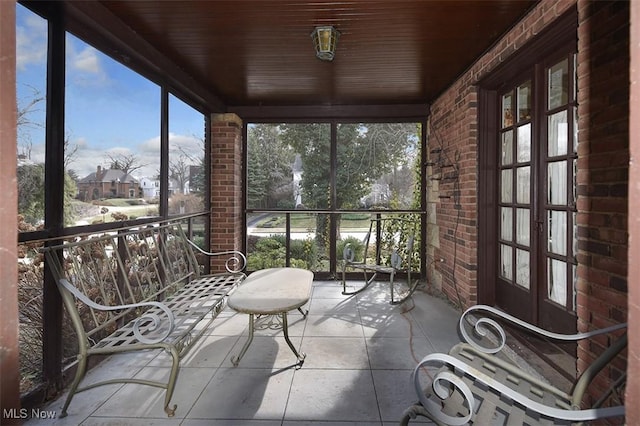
(234, 264)
(484, 326)
(65, 285)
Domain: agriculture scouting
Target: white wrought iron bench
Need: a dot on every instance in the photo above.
(472, 384)
(388, 250)
(138, 289)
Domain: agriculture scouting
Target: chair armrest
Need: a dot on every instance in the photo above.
(448, 379)
(65, 285)
(483, 326)
(236, 263)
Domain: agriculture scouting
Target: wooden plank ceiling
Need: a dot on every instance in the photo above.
(259, 53)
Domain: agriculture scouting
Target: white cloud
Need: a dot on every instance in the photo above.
(31, 42)
(151, 145)
(81, 142)
(85, 67)
(87, 61)
(177, 143)
(188, 144)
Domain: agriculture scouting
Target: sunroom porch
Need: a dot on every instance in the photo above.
(461, 257)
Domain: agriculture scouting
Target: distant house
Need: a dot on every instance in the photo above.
(111, 183)
(150, 188)
(296, 169)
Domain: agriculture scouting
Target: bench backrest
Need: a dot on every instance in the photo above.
(122, 267)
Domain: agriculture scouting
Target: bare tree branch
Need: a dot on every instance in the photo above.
(70, 152)
(128, 163)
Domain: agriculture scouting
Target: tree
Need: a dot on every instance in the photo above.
(128, 163)
(365, 153)
(70, 191)
(269, 167)
(31, 192)
(30, 176)
(24, 121)
(70, 152)
(179, 171)
(188, 167)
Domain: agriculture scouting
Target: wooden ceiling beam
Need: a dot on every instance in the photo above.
(416, 112)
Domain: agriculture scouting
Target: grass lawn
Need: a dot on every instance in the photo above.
(308, 221)
(88, 213)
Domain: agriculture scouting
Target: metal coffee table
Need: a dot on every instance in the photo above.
(272, 292)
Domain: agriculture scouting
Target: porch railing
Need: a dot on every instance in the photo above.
(313, 239)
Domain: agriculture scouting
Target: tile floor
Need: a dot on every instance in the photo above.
(360, 354)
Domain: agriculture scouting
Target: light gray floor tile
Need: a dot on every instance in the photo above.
(209, 351)
(395, 393)
(86, 403)
(266, 352)
(230, 325)
(333, 307)
(244, 393)
(320, 325)
(397, 353)
(332, 395)
(134, 400)
(330, 291)
(393, 324)
(325, 423)
(438, 321)
(128, 421)
(335, 353)
(230, 422)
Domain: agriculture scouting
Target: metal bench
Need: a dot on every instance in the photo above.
(474, 384)
(138, 289)
(388, 250)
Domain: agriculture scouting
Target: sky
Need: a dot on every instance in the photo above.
(110, 110)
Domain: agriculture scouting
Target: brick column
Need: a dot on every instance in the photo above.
(633, 386)
(226, 185)
(9, 364)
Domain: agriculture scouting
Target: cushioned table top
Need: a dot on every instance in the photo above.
(272, 291)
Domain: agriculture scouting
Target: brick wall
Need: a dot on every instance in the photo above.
(453, 167)
(452, 181)
(226, 185)
(603, 164)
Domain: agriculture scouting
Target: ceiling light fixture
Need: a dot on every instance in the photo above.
(325, 39)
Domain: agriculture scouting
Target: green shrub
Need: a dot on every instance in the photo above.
(305, 250)
(198, 240)
(270, 252)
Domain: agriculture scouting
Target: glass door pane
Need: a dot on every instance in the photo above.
(560, 168)
(515, 186)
